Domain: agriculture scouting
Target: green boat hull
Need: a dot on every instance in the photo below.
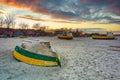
(36, 59)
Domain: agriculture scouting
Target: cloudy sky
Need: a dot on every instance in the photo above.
(65, 13)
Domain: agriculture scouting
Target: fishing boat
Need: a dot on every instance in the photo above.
(109, 36)
(41, 54)
(104, 37)
(22, 36)
(67, 36)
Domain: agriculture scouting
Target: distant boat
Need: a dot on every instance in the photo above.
(40, 54)
(109, 36)
(22, 36)
(67, 36)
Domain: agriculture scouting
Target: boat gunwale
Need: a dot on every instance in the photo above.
(35, 55)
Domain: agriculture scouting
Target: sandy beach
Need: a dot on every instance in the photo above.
(82, 59)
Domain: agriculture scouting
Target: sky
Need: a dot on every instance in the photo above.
(86, 14)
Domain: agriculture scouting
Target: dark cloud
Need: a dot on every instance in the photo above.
(117, 22)
(64, 14)
(109, 20)
(112, 20)
(93, 30)
(110, 5)
(71, 9)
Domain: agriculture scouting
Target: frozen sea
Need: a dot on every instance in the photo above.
(82, 59)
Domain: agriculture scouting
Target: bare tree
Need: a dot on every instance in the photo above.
(9, 20)
(13, 24)
(36, 26)
(23, 25)
(1, 22)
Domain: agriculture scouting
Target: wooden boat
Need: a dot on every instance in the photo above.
(109, 36)
(40, 55)
(104, 37)
(67, 36)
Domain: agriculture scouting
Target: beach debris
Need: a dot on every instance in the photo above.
(114, 48)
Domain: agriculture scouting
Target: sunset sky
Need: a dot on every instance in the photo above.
(96, 14)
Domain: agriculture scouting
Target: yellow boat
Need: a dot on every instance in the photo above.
(104, 37)
(22, 36)
(109, 36)
(40, 55)
(66, 35)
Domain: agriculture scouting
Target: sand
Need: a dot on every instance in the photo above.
(82, 59)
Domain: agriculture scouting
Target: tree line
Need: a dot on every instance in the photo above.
(9, 21)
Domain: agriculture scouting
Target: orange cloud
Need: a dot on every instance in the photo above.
(13, 3)
(1, 12)
(30, 18)
(32, 6)
(24, 5)
(35, 19)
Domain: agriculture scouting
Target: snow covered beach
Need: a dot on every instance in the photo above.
(82, 59)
